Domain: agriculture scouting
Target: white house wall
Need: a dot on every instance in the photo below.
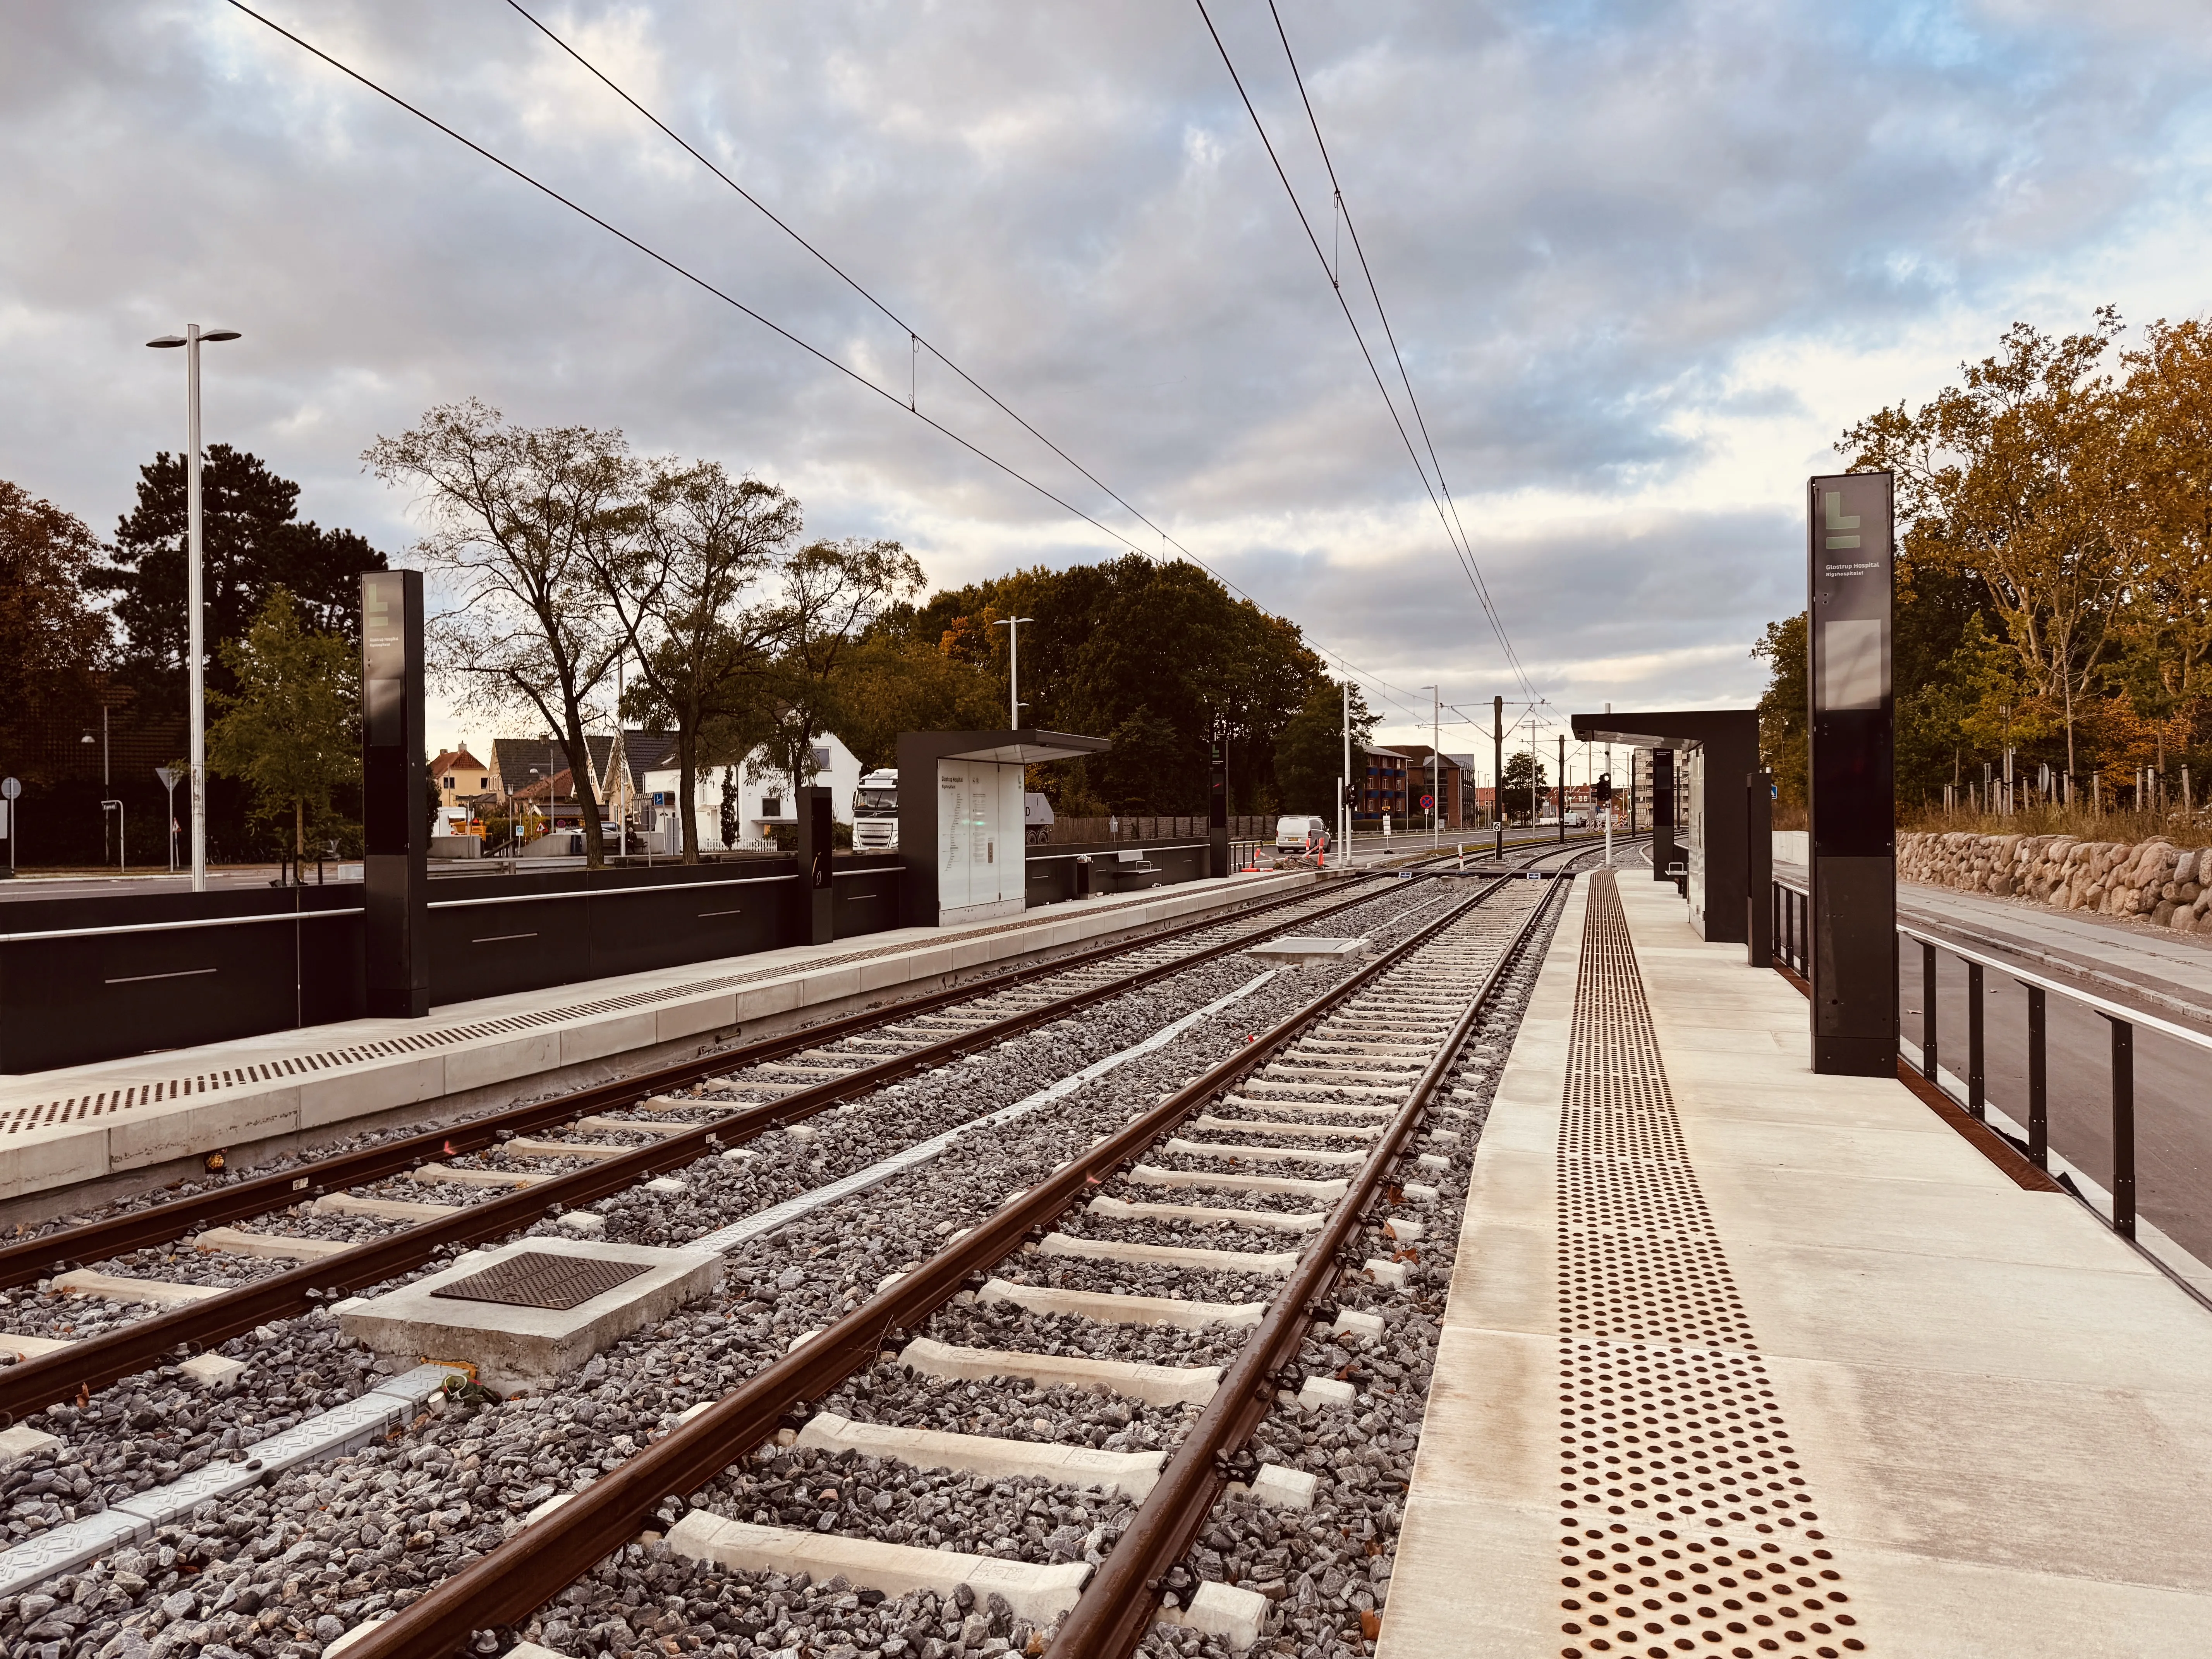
(842, 776)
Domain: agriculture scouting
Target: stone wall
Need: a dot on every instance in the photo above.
(2153, 879)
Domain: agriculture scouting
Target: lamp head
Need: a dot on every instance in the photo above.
(222, 334)
(166, 341)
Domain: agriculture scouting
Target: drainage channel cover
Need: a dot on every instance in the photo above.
(536, 1279)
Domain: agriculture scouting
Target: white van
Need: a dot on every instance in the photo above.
(1291, 833)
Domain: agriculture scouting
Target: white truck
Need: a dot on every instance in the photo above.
(875, 813)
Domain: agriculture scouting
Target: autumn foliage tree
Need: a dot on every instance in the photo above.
(53, 642)
(2054, 557)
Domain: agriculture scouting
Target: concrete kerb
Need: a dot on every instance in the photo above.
(59, 1167)
(345, 1428)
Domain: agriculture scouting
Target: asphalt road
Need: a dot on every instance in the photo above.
(2172, 1087)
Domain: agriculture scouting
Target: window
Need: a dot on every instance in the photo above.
(771, 807)
(821, 759)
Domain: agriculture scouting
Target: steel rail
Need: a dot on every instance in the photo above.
(22, 1261)
(1121, 1601)
(512, 1581)
(26, 1260)
(93, 1363)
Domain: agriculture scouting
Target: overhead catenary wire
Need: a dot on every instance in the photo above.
(687, 274)
(816, 352)
(1454, 535)
(918, 342)
(1359, 251)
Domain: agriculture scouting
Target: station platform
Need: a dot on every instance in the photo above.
(1740, 1360)
(73, 1136)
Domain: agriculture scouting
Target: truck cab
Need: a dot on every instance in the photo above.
(875, 813)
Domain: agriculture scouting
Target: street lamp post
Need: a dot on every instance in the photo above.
(195, 644)
(1013, 627)
(107, 804)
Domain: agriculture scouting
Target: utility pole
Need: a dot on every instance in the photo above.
(1013, 627)
(1345, 785)
(1536, 773)
(1436, 775)
(1562, 787)
(1608, 806)
(620, 754)
(1498, 771)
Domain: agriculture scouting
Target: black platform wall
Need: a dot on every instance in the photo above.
(267, 964)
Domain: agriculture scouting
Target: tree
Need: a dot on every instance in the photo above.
(523, 520)
(2166, 518)
(2014, 475)
(1163, 645)
(1525, 779)
(687, 587)
(292, 730)
(253, 544)
(893, 685)
(1783, 709)
(1310, 749)
(834, 593)
(53, 645)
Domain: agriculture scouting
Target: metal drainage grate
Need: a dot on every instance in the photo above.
(536, 1279)
(1686, 1526)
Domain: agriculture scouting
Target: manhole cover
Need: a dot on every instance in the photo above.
(536, 1279)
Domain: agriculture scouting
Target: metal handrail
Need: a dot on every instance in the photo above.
(173, 927)
(617, 892)
(2109, 1010)
(1791, 905)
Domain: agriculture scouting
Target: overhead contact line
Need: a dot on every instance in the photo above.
(1463, 550)
(907, 403)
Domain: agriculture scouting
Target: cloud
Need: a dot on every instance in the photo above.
(1645, 260)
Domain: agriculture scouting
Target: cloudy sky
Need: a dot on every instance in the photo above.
(1645, 261)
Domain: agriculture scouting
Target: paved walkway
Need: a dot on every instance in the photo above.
(1780, 1363)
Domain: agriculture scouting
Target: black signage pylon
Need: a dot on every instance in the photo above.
(395, 798)
(1852, 774)
(818, 840)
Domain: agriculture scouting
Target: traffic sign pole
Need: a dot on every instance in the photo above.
(11, 817)
(168, 776)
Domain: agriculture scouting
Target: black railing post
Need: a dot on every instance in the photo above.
(2039, 1094)
(1928, 1012)
(2123, 1127)
(1975, 1079)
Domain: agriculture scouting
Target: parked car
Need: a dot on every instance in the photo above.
(1292, 834)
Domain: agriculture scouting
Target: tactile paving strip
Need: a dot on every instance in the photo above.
(1686, 1524)
(535, 1279)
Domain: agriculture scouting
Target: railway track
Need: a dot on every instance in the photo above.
(1298, 1131)
(358, 1219)
(1332, 1098)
